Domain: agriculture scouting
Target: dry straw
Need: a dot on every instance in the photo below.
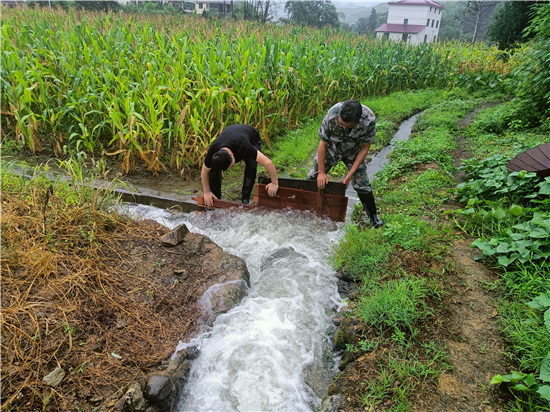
(66, 282)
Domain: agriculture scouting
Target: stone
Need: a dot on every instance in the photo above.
(190, 352)
(346, 288)
(332, 403)
(134, 397)
(158, 388)
(54, 378)
(344, 309)
(177, 369)
(345, 276)
(175, 237)
(221, 298)
(120, 404)
(181, 273)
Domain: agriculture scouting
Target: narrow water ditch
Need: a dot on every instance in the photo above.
(274, 351)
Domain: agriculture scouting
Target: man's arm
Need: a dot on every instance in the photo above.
(358, 160)
(268, 164)
(322, 178)
(208, 195)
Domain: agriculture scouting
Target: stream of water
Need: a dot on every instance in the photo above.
(273, 351)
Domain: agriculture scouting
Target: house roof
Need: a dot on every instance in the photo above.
(401, 28)
(418, 3)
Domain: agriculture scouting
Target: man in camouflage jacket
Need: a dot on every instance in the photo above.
(346, 133)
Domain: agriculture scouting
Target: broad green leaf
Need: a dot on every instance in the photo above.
(497, 379)
(544, 391)
(521, 387)
(516, 210)
(504, 261)
(529, 380)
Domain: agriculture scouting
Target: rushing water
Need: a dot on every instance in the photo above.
(273, 351)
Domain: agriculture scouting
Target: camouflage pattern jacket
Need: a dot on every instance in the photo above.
(346, 143)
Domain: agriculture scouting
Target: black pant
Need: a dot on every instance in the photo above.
(251, 167)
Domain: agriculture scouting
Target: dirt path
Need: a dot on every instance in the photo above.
(474, 342)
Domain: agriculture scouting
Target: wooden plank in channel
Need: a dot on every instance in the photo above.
(222, 204)
(320, 202)
(332, 188)
(335, 206)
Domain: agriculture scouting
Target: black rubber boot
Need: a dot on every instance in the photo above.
(248, 185)
(369, 206)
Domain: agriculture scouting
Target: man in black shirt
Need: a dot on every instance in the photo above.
(237, 142)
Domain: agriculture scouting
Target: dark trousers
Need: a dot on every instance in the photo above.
(250, 170)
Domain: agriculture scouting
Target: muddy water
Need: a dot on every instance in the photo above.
(273, 352)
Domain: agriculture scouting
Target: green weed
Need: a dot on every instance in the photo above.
(395, 304)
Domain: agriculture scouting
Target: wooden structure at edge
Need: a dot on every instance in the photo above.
(332, 206)
(296, 194)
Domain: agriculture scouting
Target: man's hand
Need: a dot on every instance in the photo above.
(209, 199)
(346, 180)
(322, 180)
(272, 189)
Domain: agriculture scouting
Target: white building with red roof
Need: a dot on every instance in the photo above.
(412, 21)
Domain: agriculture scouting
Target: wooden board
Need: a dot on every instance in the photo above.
(332, 188)
(222, 204)
(535, 160)
(334, 207)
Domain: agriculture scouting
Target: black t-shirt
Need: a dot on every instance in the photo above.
(239, 138)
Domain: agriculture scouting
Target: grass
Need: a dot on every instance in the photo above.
(397, 304)
(499, 209)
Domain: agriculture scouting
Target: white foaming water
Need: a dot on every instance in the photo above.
(268, 353)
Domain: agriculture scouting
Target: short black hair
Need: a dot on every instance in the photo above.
(351, 111)
(221, 160)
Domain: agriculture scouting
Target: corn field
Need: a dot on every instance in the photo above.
(159, 89)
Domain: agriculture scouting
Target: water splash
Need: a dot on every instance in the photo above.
(270, 352)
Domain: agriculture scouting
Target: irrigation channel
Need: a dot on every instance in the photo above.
(273, 352)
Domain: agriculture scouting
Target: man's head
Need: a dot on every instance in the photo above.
(223, 159)
(350, 113)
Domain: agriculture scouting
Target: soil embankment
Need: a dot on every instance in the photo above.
(93, 301)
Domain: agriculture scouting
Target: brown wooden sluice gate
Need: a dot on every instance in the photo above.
(296, 194)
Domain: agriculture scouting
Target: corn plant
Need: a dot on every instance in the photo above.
(158, 89)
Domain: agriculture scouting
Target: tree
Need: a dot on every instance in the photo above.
(312, 13)
(532, 78)
(372, 21)
(477, 8)
(101, 5)
(259, 10)
(362, 25)
(509, 22)
(367, 24)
